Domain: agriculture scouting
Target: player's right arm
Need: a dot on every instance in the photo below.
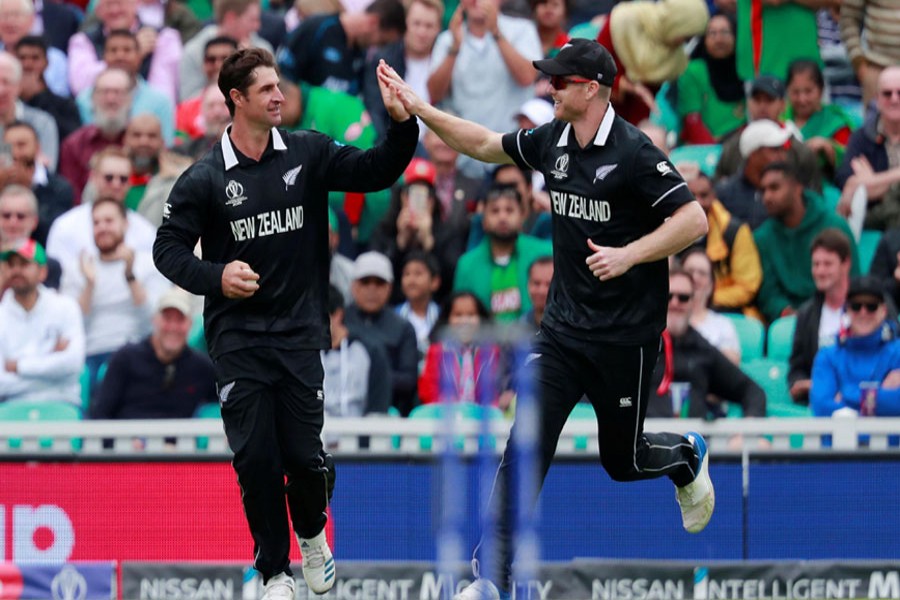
(185, 216)
(464, 136)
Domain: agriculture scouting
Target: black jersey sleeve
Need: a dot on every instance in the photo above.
(656, 182)
(353, 170)
(183, 216)
(524, 146)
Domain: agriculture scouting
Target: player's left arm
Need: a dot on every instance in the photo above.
(655, 181)
(686, 224)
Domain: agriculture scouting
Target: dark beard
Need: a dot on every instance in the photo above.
(145, 164)
(503, 238)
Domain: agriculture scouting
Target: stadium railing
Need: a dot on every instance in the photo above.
(378, 435)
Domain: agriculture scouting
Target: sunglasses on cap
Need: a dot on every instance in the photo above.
(856, 306)
(561, 82)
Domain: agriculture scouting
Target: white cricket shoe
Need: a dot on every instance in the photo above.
(698, 498)
(480, 589)
(279, 587)
(318, 563)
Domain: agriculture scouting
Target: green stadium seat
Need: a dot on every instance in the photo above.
(40, 411)
(868, 242)
(771, 376)
(780, 337)
(705, 155)
(751, 334)
(196, 338)
(466, 411)
(210, 410)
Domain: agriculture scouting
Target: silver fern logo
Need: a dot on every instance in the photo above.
(603, 171)
(290, 177)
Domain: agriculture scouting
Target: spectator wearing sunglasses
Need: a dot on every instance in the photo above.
(690, 359)
(861, 372)
(110, 177)
(160, 376)
(871, 164)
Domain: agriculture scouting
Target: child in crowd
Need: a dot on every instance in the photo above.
(420, 279)
(460, 362)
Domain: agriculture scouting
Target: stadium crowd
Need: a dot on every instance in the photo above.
(783, 118)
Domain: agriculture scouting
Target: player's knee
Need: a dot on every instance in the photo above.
(619, 471)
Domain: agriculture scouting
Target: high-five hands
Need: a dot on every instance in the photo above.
(397, 91)
(392, 86)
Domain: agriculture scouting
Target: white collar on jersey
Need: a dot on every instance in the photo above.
(602, 133)
(228, 150)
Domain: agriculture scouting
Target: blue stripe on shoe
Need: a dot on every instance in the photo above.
(329, 569)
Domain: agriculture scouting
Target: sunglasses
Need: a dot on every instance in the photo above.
(682, 298)
(870, 307)
(889, 93)
(109, 178)
(560, 83)
(8, 215)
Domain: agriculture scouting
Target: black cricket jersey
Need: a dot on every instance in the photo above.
(616, 190)
(319, 53)
(273, 215)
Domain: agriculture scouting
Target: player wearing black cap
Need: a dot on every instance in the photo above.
(258, 204)
(619, 210)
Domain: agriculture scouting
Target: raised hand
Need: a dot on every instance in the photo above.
(395, 90)
(391, 84)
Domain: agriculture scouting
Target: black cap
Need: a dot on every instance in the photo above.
(582, 57)
(769, 85)
(865, 285)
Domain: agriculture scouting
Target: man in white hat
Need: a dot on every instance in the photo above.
(371, 319)
(160, 376)
(762, 143)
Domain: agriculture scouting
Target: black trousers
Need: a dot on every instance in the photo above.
(273, 410)
(616, 380)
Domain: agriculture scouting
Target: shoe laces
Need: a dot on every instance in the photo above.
(279, 589)
(313, 556)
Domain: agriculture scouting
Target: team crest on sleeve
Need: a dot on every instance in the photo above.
(663, 168)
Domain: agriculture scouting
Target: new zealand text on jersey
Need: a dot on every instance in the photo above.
(267, 223)
(570, 205)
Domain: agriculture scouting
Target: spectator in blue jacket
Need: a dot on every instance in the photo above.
(866, 356)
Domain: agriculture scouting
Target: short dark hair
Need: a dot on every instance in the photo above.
(33, 41)
(239, 71)
(220, 40)
(539, 261)
(810, 67)
(110, 200)
(121, 33)
(526, 173)
(335, 299)
(783, 167)
(502, 190)
(24, 125)
(426, 258)
(391, 15)
(834, 240)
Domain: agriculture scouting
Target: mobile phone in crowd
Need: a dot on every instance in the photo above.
(418, 198)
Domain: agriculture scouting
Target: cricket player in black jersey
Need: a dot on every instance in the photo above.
(619, 210)
(258, 204)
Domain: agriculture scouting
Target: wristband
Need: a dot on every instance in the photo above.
(129, 277)
(453, 51)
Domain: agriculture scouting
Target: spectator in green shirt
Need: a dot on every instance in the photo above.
(710, 94)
